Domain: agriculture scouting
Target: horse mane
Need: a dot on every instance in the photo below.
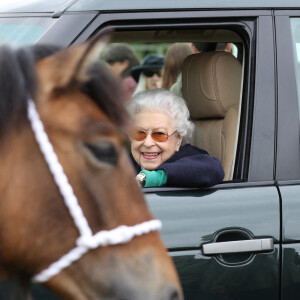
(18, 82)
(105, 89)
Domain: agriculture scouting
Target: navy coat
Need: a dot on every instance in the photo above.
(190, 167)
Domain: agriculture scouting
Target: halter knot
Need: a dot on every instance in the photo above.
(120, 235)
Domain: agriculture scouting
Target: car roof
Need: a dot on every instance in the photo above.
(8, 6)
(112, 5)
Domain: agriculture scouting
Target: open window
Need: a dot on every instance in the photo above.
(211, 83)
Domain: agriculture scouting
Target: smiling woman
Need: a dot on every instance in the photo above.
(160, 126)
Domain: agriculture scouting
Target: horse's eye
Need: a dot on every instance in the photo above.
(104, 152)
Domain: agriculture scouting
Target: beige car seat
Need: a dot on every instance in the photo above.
(211, 85)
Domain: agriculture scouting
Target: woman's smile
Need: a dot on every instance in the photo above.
(150, 155)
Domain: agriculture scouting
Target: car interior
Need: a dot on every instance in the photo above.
(211, 84)
(213, 98)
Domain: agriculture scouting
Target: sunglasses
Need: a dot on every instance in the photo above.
(150, 73)
(156, 135)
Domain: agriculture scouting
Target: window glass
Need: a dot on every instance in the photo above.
(21, 31)
(31, 6)
(295, 23)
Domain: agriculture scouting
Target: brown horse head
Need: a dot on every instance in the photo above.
(80, 106)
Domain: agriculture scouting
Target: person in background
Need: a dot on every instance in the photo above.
(160, 150)
(174, 58)
(148, 74)
(121, 59)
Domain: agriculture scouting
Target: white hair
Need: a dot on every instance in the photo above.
(141, 86)
(166, 102)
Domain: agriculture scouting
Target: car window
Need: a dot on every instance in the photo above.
(206, 135)
(21, 31)
(295, 24)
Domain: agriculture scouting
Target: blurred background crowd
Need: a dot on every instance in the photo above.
(148, 67)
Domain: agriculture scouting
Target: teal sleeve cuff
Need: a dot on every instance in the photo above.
(155, 178)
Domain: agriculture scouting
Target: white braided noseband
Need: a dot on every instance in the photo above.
(86, 240)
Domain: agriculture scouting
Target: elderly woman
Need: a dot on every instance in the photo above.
(159, 143)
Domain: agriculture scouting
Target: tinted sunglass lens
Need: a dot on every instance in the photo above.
(159, 136)
(139, 135)
(150, 73)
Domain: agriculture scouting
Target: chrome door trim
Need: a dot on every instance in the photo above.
(256, 245)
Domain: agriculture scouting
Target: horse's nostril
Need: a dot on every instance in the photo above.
(173, 294)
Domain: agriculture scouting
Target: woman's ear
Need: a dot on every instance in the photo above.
(125, 63)
(178, 142)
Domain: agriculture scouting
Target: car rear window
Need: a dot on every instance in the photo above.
(21, 31)
(295, 24)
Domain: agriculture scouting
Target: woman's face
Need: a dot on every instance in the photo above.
(154, 81)
(148, 153)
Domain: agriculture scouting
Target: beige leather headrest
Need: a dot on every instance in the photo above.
(211, 83)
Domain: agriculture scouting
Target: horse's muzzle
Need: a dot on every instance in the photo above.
(167, 293)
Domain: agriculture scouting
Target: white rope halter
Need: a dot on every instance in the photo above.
(86, 241)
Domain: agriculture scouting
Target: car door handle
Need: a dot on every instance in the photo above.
(258, 245)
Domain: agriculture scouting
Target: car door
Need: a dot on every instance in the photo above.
(193, 218)
(205, 229)
(288, 166)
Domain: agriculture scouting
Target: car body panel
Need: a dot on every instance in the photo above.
(290, 195)
(191, 218)
(261, 167)
(290, 272)
(67, 29)
(120, 5)
(210, 279)
(288, 111)
(165, 19)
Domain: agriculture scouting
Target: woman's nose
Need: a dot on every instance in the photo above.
(155, 77)
(148, 142)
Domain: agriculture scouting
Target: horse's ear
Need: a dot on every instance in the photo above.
(70, 65)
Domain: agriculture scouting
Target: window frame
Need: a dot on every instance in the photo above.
(249, 165)
(67, 28)
(288, 128)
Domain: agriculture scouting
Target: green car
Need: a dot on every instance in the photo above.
(239, 239)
